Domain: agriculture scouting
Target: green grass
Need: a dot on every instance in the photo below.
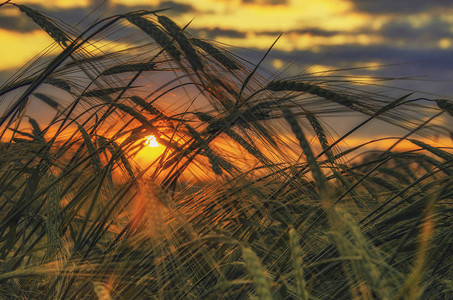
(252, 197)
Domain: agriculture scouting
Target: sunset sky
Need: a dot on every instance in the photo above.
(318, 35)
(364, 38)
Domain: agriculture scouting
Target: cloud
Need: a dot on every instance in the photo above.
(212, 33)
(310, 31)
(433, 30)
(174, 8)
(19, 24)
(266, 2)
(96, 8)
(425, 70)
(346, 56)
(400, 7)
(432, 58)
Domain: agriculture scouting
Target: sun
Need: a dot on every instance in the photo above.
(151, 141)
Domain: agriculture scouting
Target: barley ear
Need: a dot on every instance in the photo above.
(146, 105)
(156, 33)
(46, 24)
(59, 83)
(103, 92)
(215, 53)
(118, 152)
(92, 151)
(37, 132)
(256, 269)
(286, 85)
(123, 68)
(297, 264)
(316, 172)
(175, 32)
(101, 291)
(445, 105)
(434, 150)
(320, 133)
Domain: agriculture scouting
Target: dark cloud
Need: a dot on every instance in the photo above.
(310, 31)
(18, 24)
(433, 30)
(430, 58)
(432, 64)
(400, 7)
(174, 8)
(422, 70)
(22, 23)
(266, 2)
(212, 33)
(98, 3)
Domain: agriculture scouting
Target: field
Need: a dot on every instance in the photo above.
(245, 194)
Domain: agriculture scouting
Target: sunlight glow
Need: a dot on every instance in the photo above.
(17, 48)
(151, 141)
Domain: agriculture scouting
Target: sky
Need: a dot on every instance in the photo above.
(415, 36)
(358, 39)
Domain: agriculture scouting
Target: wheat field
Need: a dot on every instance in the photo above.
(247, 194)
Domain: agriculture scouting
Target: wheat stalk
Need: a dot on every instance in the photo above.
(102, 293)
(156, 33)
(256, 270)
(57, 82)
(297, 264)
(318, 175)
(123, 68)
(47, 25)
(445, 105)
(439, 152)
(175, 32)
(320, 133)
(215, 53)
(287, 85)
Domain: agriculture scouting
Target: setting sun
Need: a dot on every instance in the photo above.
(151, 141)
